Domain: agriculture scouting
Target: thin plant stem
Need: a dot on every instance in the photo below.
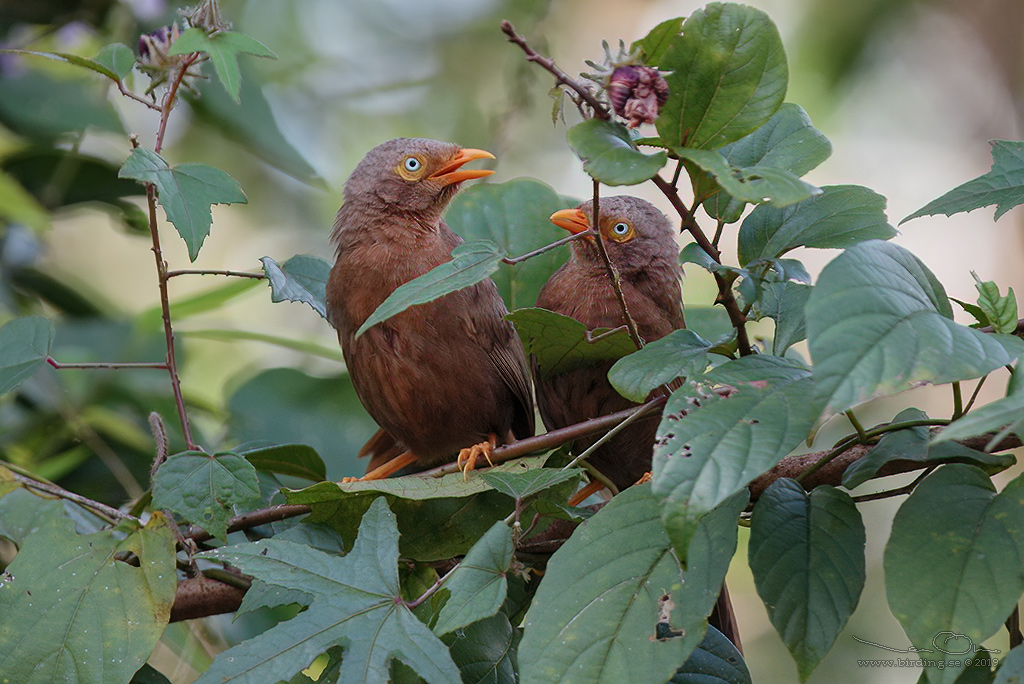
(105, 365)
(958, 401)
(852, 417)
(890, 493)
(613, 274)
(202, 271)
(974, 394)
(432, 589)
(111, 515)
(541, 250)
(637, 414)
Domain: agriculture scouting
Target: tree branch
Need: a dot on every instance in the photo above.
(202, 271)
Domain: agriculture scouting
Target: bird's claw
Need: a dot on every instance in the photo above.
(467, 457)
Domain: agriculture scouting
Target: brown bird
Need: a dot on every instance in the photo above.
(641, 245)
(441, 376)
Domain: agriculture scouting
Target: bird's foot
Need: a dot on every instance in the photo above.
(347, 480)
(583, 494)
(467, 457)
(646, 477)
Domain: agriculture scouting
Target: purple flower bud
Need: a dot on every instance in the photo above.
(637, 93)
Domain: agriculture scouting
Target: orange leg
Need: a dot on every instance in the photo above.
(386, 469)
(580, 496)
(467, 457)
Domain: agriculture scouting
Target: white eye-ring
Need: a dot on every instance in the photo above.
(620, 228)
(412, 164)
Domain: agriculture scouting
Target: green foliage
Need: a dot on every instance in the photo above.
(609, 154)
(950, 538)
(714, 660)
(754, 184)
(681, 353)
(202, 488)
(75, 595)
(477, 586)
(1000, 311)
(560, 343)
(297, 460)
(223, 49)
(302, 278)
(471, 263)
(24, 346)
(807, 555)
(1003, 186)
(356, 603)
(185, 191)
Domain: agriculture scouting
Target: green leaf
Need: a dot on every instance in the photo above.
(40, 106)
(18, 206)
(485, 651)
(1000, 311)
(911, 444)
(807, 555)
(596, 613)
(24, 346)
(223, 48)
(513, 215)
(185, 191)
(478, 585)
(1011, 668)
(560, 343)
(788, 141)
(879, 322)
(949, 540)
(729, 76)
(714, 660)
(1001, 416)
(297, 460)
(118, 58)
(203, 488)
(681, 353)
(471, 262)
(521, 486)
(654, 46)
(356, 604)
(692, 253)
(710, 322)
(84, 614)
(841, 216)
(753, 184)
(609, 154)
(784, 303)
(710, 446)
(1002, 186)
(303, 278)
(148, 674)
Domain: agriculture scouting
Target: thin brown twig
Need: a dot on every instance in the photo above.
(105, 365)
(561, 78)
(541, 250)
(103, 510)
(211, 271)
(129, 94)
(890, 493)
(170, 97)
(613, 274)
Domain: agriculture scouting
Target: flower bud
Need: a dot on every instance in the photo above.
(637, 93)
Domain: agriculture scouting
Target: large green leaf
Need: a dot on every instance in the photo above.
(561, 343)
(729, 75)
(485, 651)
(807, 555)
(842, 215)
(356, 605)
(596, 613)
(296, 460)
(681, 353)
(223, 48)
(203, 488)
(710, 446)
(303, 278)
(471, 262)
(609, 154)
(513, 215)
(788, 141)
(521, 486)
(24, 346)
(478, 585)
(1002, 186)
(753, 184)
(185, 191)
(75, 611)
(37, 105)
(879, 322)
(654, 46)
(784, 303)
(715, 661)
(954, 564)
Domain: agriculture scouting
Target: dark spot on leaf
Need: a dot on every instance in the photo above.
(663, 630)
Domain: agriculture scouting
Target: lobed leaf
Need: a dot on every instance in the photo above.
(681, 353)
(561, 343)
(729, 76)
(521, 486)
(185, 191)
(784, 303)
(841, 216)
(203, 488)
(24, 347)
(949, 539)
(223, 48)
(471, 263)
(879, 322)
(807, 555)
(609, 154)
(356, 605)
(477, 585)
(302, 278)
(1001, 311)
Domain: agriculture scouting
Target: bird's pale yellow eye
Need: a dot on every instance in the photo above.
(411, 168)
(621, 231)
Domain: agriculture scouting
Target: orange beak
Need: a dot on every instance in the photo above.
(573, 220)
(452, 172)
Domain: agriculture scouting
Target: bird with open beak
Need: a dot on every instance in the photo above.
(641, 245)
(442, 378)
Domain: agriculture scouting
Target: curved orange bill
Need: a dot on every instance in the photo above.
(452, 172)
(573, 220)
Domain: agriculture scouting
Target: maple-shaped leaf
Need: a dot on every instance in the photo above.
(356, 605)
(223, 48)
(185, 191)
(1002, 186)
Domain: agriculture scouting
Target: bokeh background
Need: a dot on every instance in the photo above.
(908, 91)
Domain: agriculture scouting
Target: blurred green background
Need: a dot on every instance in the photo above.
(909, 91)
